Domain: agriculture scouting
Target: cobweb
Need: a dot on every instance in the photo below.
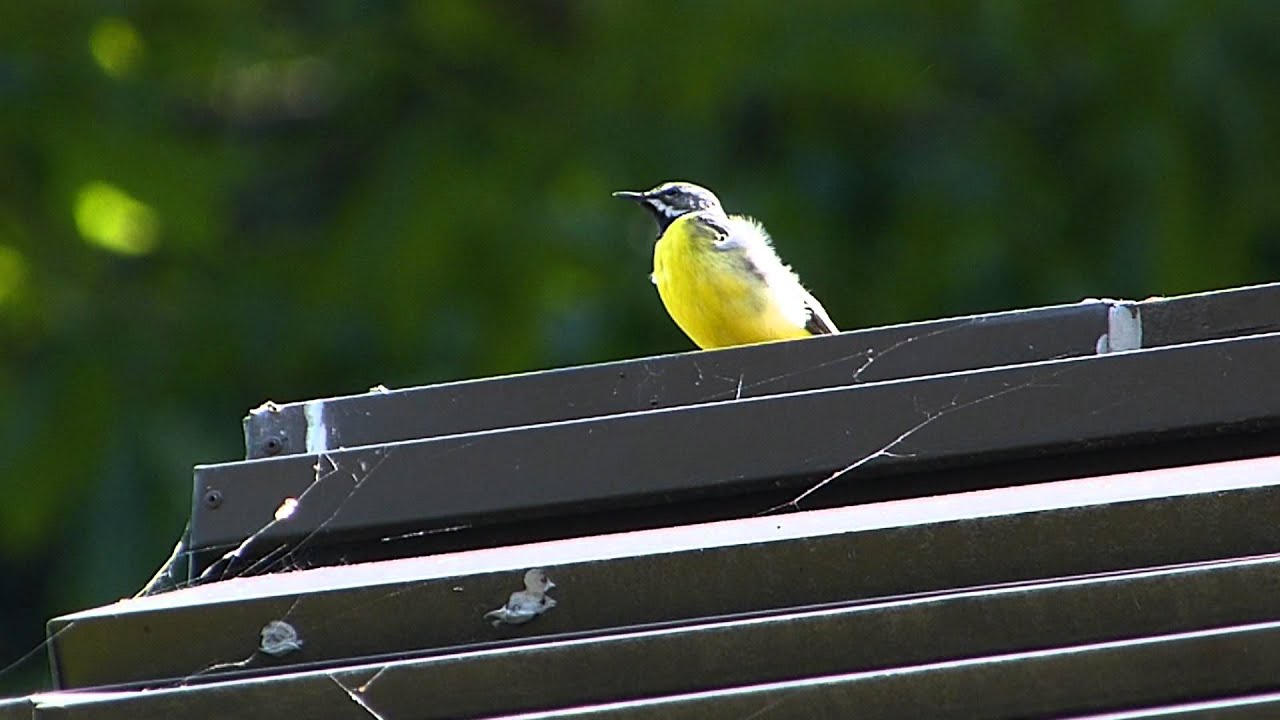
(265, 551)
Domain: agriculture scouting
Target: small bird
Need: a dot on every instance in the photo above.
(525, 605)
(719, 276)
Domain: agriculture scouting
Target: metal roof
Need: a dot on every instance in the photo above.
(1047, 513)
(738, 431)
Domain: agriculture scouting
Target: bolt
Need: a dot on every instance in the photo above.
(212, 498)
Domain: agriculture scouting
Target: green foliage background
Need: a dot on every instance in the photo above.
(207, 204)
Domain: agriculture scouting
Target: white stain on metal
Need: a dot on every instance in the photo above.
(1124, 327)
(279, 638)
(317, 431)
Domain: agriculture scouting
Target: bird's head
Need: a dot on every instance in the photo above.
(670, 200)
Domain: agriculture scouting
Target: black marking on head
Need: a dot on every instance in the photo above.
(670, 200)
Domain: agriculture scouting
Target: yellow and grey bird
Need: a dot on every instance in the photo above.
(719, 276)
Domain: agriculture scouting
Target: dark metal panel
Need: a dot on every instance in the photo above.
(676, 380)
(775, 648)
(651, 458)
(873, 354)
(1047, 684)
(1205, 316)
(661, 576)
(16, 708)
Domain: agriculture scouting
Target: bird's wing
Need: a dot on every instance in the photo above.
(761, 260)
(819, 322)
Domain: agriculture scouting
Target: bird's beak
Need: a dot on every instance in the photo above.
(550, 584)
(647, 201)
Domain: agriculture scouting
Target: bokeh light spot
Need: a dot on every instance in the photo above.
(116, 46)
(13, 271)
(111, 219)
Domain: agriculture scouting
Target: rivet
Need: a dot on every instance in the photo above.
(273, 446)
(212, 498)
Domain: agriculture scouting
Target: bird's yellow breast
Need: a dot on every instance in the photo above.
(713, 295)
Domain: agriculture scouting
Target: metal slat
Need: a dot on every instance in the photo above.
(775, 648)
(1045, 684)
(874, 354)
(753, 565)
(646, 459)
(17, 708)
(1211, 315)
(1247, 707)
(677, 380)
(230, 703)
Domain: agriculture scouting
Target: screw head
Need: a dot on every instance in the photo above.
(212, 498)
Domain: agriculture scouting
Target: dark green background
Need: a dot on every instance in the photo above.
(342, 194)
